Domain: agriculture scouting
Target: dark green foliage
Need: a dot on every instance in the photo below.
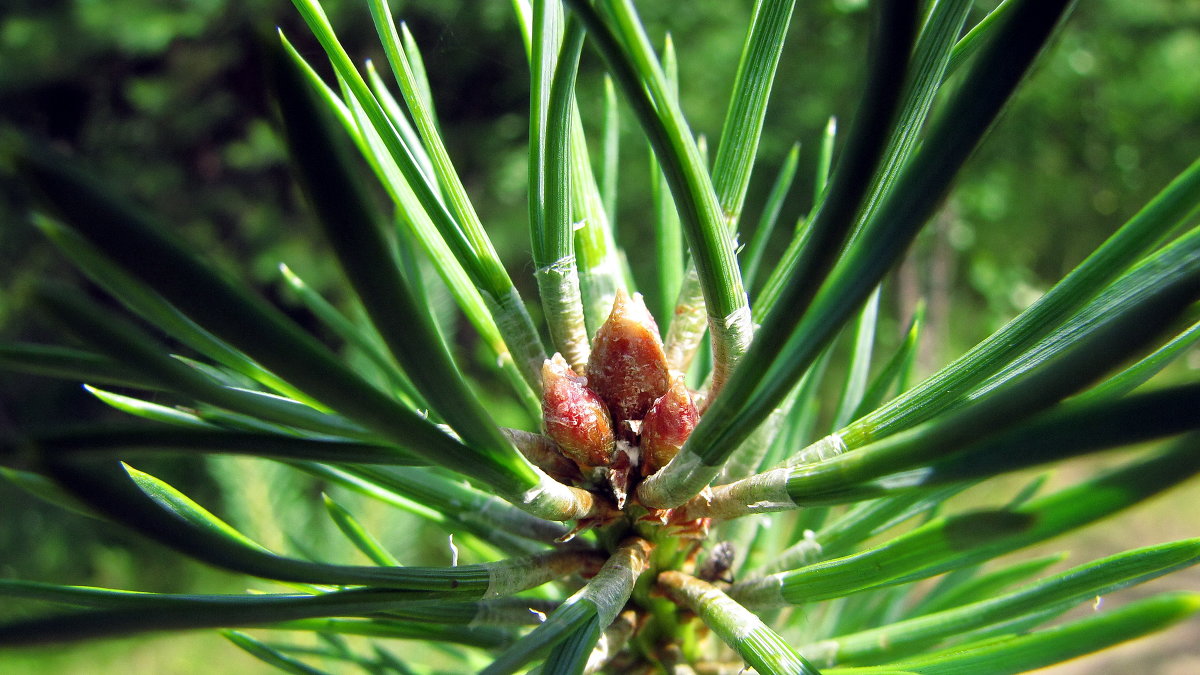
(792, 502)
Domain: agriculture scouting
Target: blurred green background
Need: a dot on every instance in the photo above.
(166, 99)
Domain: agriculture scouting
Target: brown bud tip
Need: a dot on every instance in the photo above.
(667, 425)
(620, 472)
(575, 417)
(627, 367)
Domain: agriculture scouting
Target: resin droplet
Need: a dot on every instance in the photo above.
(575, 417)
(667, 425)
(627, 367)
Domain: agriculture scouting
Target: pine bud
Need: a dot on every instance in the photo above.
(667, 425)
(575, 417)
(627, 367)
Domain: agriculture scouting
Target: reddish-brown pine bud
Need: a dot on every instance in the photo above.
(667, 425)
(627, 367)
(575, 417)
